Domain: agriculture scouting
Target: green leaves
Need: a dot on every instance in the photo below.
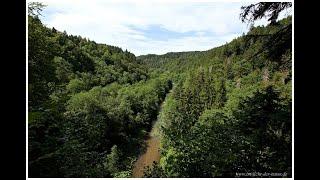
(112, 162)
(210, 130)
(92, 104)
(41, 66)
(106, 116)
(84, 98)
(63, 69)
(265, 123)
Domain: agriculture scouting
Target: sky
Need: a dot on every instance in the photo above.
(149, 27)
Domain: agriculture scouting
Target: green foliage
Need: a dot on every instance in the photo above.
(230, 109)
(123, 174)
(255, 136)
(265, 122)
(63, 69)
(88, 103)
(41, 66)
(112, 161)
(91, 105)
(76, 86)
(259, 48)
(154, 172)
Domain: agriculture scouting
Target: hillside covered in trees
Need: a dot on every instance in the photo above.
(92, 105)
(230, 110)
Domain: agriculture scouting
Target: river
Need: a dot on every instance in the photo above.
(152, 154)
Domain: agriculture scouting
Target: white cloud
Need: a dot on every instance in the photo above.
(109, 22)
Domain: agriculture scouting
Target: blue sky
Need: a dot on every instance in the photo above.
(158, 32)
(149, 27)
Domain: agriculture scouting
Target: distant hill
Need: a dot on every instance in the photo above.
(258, 47)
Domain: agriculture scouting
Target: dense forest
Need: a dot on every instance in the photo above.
(228, 111)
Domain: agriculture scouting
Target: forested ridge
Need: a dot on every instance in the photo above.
(92, 105)
(230, 111)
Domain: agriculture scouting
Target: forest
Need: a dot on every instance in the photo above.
(219, 113)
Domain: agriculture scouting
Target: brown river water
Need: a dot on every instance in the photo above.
(152, 154)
